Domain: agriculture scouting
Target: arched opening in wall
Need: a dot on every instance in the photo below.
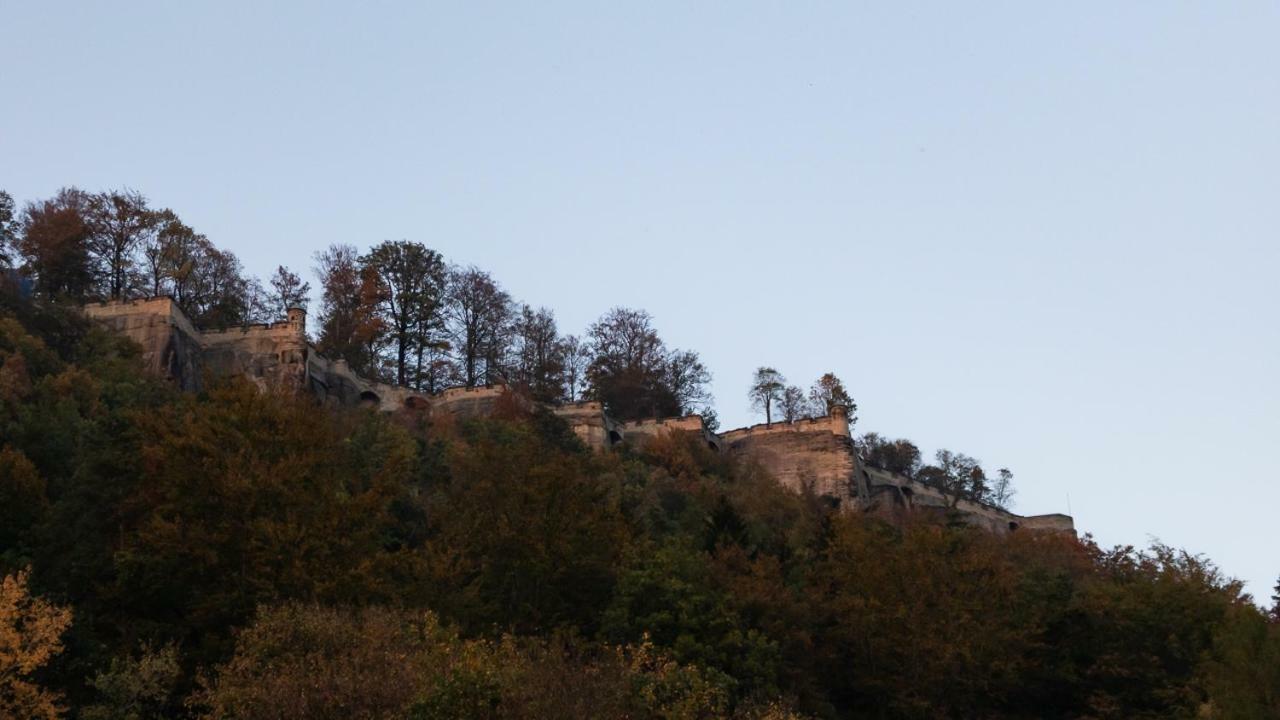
(1013, 526)
(414, 402)
(614, 437)
(714, 447)
(369, 399)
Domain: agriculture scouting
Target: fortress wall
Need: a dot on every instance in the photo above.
(590, 423)
(171, 346)
(892, 489)
(813, 455)
(466, 403)
(271, 356)
(641, 430)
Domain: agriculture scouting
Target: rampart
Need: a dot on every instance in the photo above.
(813, 455)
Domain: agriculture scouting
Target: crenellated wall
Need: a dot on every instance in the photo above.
(814, 455)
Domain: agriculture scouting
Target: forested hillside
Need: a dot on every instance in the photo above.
(239, 554)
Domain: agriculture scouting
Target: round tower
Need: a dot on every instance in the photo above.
(840, 419)
(297, 317)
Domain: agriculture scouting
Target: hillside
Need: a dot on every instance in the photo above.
(237, 553)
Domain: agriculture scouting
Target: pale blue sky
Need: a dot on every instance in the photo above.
(1044, 234)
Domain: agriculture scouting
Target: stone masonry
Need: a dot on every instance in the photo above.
(815, 455)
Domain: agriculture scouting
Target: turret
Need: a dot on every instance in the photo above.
(840, 419)
(297, 317)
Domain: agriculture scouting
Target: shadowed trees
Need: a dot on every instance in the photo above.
(54, 245)
(634, 374)
(410, 287)
(478, 318)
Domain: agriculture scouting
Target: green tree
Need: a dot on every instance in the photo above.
(410, 282)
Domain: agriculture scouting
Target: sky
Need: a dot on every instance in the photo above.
(1046, 235)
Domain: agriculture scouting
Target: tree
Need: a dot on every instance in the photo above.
(632, 373)
(686, 379)
(410, 284)
(287, 291)
(828, 391)
(957, 476)
(30, 636)
(54, 245)
(120, 222)
(138, 688)
(897, 456)
(349, 325)
(576, 356)
(1002, 490)
(1275, 602)
(478, 313)
(164, 253)
(538, 354)
(794, 404)
(8, 227)
(217, 293)
(766, 391)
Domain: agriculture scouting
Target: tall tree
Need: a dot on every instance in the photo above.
(827, 392)
(478, 313)
(410, 281)
(576, 356)
(120, 223)
(8, 228)
(1002, 490)
(629, 366)
(685, 378)
(766, 391)
(162, 252)
(54, 246)
(349, 324)
(538, 353)
(794, 404)
(287, 291)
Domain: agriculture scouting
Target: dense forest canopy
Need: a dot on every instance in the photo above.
(237, 554)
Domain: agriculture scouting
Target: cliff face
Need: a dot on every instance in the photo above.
(814, 456)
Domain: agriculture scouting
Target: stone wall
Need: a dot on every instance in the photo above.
(814, 455)
(170, 344)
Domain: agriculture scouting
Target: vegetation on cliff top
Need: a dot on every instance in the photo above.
(237, 554)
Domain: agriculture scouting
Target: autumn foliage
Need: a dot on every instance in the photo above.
(241, 554)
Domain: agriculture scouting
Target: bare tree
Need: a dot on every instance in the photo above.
(1002, 490)
(766, 391)
(576, 357)
(794, 404)
(479, 321)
